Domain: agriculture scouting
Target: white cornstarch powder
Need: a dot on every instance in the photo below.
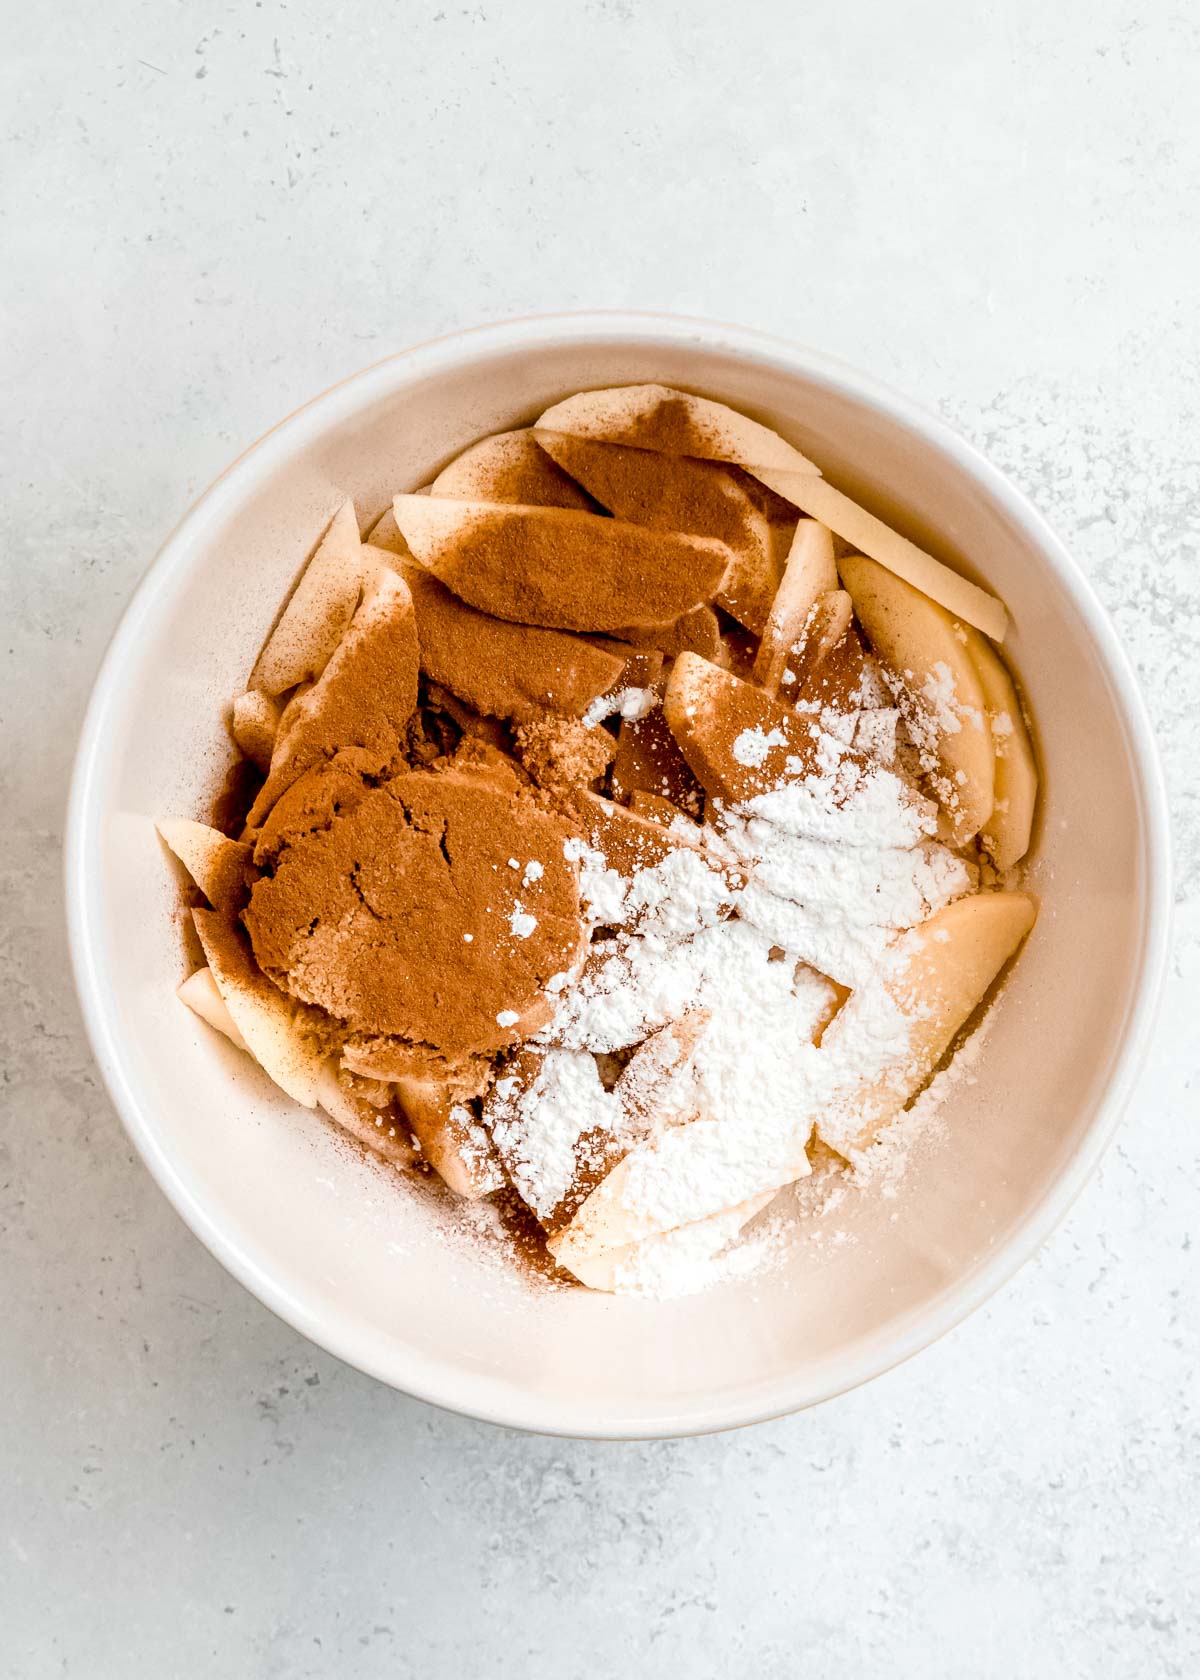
(731, 942)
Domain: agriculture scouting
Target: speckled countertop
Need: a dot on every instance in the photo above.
(212, 212)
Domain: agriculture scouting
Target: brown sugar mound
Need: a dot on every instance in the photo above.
(502, 669)
(413, 914)
(558, 568)
(562, 753)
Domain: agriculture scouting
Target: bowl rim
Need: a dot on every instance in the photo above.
(434, 1380)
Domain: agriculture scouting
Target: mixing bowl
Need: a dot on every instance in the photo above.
(387, 1279)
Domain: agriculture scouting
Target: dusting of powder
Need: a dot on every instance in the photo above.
(752, 746)
(833, 867)
(627, 703)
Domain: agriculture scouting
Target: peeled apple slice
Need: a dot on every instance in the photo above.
(678, 493)
(254, 724)
(452, 1140)
(321, 606)
(684, 1174)
(941, 695)
(957, 594)
(509, 467)
(808, 574)
(738, 741)
(360, 1121)
(272, 1026)
(1006, 833)
(216, 863)
(199, 991)
(674, 423)
(559, 568)
(938, 977)
(609, 1268)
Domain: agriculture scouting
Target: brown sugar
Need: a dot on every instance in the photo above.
(559, 568)
(363, 698)
(413, 913)
(675, 493)
(499, 668)
(562, 753)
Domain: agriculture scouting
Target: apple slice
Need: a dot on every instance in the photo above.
(938, 689)
(502, 669)
(321, 606)
(375, 1128)
(937, 977)
(676, 493)
(279, 1033)
(697, 631)
(453, 1142)
(363, 698)
(557, 567)
(202, 995)
(385, 533)
(682, 1175)
(737, 741)
(1006, 833)
(808, 574)
(254, 725)
(957, 594)
(510, 467)
(674, 423)
(617, 1269)
(649, 761)
(216, 864)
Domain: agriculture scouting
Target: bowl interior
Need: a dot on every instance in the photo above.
(388, 1279)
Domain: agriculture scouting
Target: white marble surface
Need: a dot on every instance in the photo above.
(211, 212)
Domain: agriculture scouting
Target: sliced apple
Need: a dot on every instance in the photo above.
(321, 606)
(737, 741)
(510, 467)
(682, 1175)
(375, 1128)
(649, 1088)
(939, 690)
(501, 669)
(620, 1268)
(649, 760)
(676, 493)
(385, 533)
(808, 574)
(674, 423)
(1006, 832)
(279, 1033)
(936, 977)
(957, 594)
(254, 725)
(453, 1142)
(628, 841)
(216, 864)
(655, 808)
(559, 568)
(202, 995)
(697, 631)
(377, 658)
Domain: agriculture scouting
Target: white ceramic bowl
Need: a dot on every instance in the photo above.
(365, 1268)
